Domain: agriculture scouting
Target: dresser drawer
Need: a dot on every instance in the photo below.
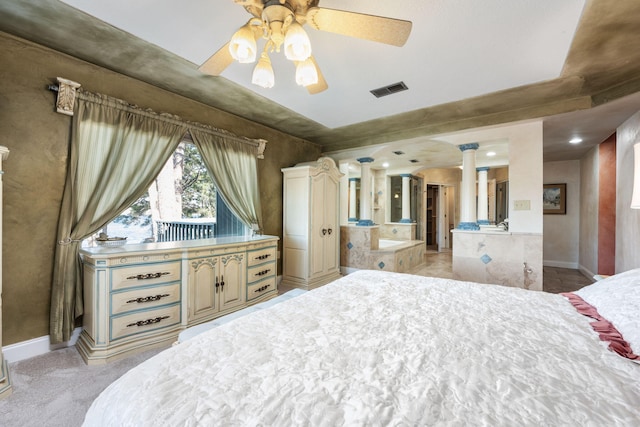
(143, 298)
(261, 288)
(144, 321)
(149, 274)
(261, 255)
(260, 272)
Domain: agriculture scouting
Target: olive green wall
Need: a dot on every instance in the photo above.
(37, 138)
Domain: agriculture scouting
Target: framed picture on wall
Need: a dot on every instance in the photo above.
(554, 199)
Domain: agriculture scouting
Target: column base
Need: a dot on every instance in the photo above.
(405, 221)
(483, 222)
(365, 223)
(468, 226)
(352, 219)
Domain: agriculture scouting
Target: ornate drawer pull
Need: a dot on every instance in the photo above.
(263, 272)
(265, 256)
(148, 276)
(147, 299)
(148, 321)
(263, 288)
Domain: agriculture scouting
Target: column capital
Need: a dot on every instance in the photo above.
(405, 175)
(482, 169)
(472, 146)
(365, 160)
(354, 179)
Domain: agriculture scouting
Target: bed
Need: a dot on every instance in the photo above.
(378, 348)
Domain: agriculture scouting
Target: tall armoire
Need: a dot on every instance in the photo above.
(5, 383)
(311, 229)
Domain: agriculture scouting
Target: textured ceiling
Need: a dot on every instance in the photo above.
(467, 64)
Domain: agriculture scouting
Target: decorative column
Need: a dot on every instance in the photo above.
(406, 198)
(353, 182)
(344, 193)
(5, 383)
(468, 190)
(365, 191)
(483, 196)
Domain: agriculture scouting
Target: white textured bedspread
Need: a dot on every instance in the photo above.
(377, 348)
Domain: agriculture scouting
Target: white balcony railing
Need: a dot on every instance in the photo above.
(185, 229)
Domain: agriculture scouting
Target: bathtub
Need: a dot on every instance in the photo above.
(385, 243)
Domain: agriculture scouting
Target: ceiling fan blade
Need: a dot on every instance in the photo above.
(217, 62)
(369, 27)
(322, 83)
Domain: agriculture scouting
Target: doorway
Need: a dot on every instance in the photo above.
(431, 217)
(439, 217)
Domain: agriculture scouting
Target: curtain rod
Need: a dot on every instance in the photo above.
(65, 106)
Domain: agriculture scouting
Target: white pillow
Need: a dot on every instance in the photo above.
(617, 299)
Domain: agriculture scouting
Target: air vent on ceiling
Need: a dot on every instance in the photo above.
(398, 153)
(414, 160)
(389, 90)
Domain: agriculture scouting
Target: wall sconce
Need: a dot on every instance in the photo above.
(635, 199)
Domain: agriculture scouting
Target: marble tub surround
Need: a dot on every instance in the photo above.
(360, 249)
(398, 231)
(506, 258)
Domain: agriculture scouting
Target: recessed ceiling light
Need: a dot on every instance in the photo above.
(575, 140)
(385, 165)
(491, 153)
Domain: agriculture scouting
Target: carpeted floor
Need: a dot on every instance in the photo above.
(57, 388)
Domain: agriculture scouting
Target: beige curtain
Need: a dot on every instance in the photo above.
(233, 166)
(116, 152)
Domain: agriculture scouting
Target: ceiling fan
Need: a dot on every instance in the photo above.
(280, 22)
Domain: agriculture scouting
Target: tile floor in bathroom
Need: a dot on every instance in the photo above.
(555, 280)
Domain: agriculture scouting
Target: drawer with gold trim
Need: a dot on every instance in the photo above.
(143, 298)
(260, 272)
(149, 274)
(260, 288)
(261, 256)
(144, 321)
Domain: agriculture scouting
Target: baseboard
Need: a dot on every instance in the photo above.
(560, 264)
(586, 272)
(35, 347)
(345, 271)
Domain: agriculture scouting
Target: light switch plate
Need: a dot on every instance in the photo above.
(522, 205)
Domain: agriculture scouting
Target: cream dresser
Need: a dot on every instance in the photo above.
(141, 296)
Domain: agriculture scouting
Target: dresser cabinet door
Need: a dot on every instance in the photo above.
(232, 273)
(204, 273)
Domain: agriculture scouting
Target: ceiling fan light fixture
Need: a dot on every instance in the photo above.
(263, 73)
(297, 46)
(306, 73)
(243, 45)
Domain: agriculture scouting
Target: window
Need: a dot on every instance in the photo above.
(181, 204)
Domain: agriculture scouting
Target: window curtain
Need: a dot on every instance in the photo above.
(116, 152)
(233, 166)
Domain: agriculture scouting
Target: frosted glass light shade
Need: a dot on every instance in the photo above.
(243, 45)
(306, 73)
(263, 73)
(635, 199)
(297, 46)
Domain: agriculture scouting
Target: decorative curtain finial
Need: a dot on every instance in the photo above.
(66, 96)
(262, 144)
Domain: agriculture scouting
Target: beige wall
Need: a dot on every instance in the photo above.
(561, 232)
(588, 262)
(34, 172)
(627, 219)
